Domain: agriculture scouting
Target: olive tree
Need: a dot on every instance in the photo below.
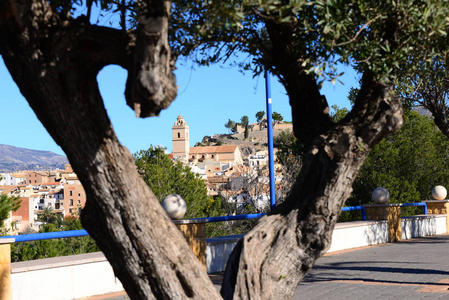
(302, 43)
(54, 59)
(429, 88)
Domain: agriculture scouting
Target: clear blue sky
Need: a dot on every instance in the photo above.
(207, 98)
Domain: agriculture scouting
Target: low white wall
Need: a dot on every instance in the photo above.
(60, 278)
(218, 251)
(358, 234)
(84, 275)
(366, 233)
(346, 235)
(423, 225)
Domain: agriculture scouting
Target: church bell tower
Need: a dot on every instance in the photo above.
(180, 138)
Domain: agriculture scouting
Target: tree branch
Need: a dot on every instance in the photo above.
(299, 230)
(50, 62)
(310, 110)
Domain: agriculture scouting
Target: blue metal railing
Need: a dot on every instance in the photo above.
(82, 232)
(232, 218)
(417, 204)
(47, 235)
(360, 207)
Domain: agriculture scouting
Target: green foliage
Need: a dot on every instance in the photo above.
(429, 88)
(337, 113)
(245, 122)
(408, 163)
(290, 153)
(288, 147)
(231, 126)
(277, 116)
(223, 208)
(55, 247)
(245, 133)
(260, 115)
(353, 92)
(324, 34)
(49, 217)
(166, 177)
(8, 204)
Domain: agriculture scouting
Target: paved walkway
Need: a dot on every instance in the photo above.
(412, 270)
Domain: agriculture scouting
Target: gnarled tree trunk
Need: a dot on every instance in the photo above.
(55, 63)
(275, 256)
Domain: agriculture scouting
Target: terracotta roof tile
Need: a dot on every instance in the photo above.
(6, 189)
(213, 149)
(18, 175)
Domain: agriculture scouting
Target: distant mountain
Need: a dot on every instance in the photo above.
(15, 159)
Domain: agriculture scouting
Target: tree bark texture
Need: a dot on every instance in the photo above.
(55, 63)
(275, 256)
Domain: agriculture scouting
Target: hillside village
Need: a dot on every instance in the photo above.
(59, 189)
(230, 165)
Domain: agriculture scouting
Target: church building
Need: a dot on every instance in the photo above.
(180, 138)
(181, 149)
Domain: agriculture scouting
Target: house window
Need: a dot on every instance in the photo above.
(79, 194)
(179, 135)
(79, 201)
(71, 202)
(70, 193)
(70, 210)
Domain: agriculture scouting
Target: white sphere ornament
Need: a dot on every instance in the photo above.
(439, 192)
(175, 206)
(380, 195)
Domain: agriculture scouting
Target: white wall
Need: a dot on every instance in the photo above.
(418, 226)
(61, 278)
(86, 275)
(358, 234)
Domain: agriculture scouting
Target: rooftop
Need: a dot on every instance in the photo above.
(213, 149)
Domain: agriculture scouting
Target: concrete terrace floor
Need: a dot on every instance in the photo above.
(413, 269)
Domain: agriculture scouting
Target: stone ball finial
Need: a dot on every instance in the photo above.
(175, 206)
(439, 192)
(380, 195)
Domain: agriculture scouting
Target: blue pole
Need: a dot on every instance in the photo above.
(270, 140)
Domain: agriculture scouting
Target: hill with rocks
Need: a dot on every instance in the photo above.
(257, 140)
